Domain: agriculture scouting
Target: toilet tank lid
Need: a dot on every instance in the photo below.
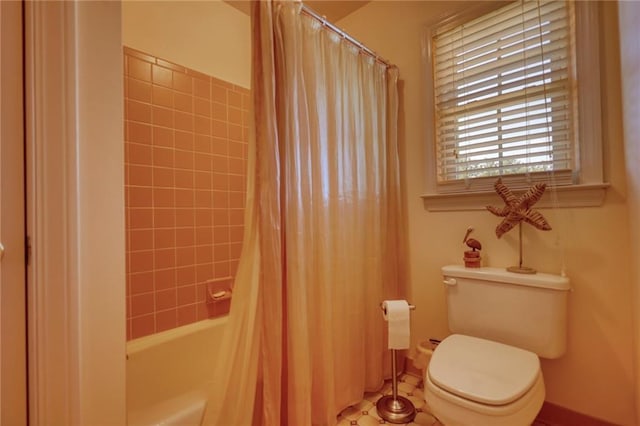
(483, 371)
(542, 280)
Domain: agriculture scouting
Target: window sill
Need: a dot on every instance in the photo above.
(586, 195)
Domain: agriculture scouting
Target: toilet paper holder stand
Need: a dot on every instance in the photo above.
(394, 408)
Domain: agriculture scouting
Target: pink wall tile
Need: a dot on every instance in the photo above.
(182, 82)
(186, 295)
(162, 96)
(140, 283)
(162, 76)
(166, 320)
(185, 217)
(138, 69)
(184, 140)
(163, 137)
(187, 314)
(183, 102)
(138, 90)
(142, 304)
(202, 107)
(142, 325)
(164, 279)
(138, 111)
(184, 121)
(185, 172)
(187, 274)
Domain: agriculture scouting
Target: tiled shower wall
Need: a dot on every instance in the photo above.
(185, 162)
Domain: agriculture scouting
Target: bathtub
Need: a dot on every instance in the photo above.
(168, 374)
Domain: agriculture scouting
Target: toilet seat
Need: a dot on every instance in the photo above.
(482, 371)
(453, 410)
(465, 372)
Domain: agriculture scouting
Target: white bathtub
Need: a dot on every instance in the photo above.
(168, 374)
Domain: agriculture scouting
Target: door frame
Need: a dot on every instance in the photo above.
(13, 350)
(75, 213)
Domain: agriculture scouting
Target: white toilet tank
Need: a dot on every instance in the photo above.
(526, 311)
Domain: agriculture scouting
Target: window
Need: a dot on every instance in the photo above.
(507, 101)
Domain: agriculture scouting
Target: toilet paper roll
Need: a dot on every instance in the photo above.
(396, 313)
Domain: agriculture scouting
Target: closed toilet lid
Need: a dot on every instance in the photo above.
(483, 371)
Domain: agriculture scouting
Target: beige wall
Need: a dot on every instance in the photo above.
(595, 377)
(208, 36)
(629, 15)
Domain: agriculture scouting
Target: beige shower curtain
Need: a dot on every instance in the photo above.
(323, 238)
(328, 189)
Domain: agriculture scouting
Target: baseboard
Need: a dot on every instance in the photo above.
(555, 415)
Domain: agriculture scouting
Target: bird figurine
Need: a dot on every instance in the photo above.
(472, 243)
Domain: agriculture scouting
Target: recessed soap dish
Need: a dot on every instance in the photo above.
(219, 289)
(219, 295)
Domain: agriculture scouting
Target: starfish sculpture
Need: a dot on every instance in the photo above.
(518, 209)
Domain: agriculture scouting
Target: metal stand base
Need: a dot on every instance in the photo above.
(398, 411)
(394, 408)
(521, 270)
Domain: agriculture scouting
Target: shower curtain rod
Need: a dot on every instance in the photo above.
(310, 12)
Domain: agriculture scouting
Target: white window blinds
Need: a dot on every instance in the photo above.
(504, 90)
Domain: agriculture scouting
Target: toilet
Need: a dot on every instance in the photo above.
(488, 371)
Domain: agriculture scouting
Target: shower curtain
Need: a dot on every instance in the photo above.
(325, 221)
(329, 215)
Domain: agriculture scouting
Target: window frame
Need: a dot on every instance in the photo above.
(589, 187)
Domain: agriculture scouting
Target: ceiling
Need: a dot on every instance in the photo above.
(334, 10)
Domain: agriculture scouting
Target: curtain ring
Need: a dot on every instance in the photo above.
(324, 20)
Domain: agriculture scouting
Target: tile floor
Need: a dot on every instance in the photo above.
(364, 413)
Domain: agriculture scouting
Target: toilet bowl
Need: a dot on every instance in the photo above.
(488, 371)
(472, 381)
